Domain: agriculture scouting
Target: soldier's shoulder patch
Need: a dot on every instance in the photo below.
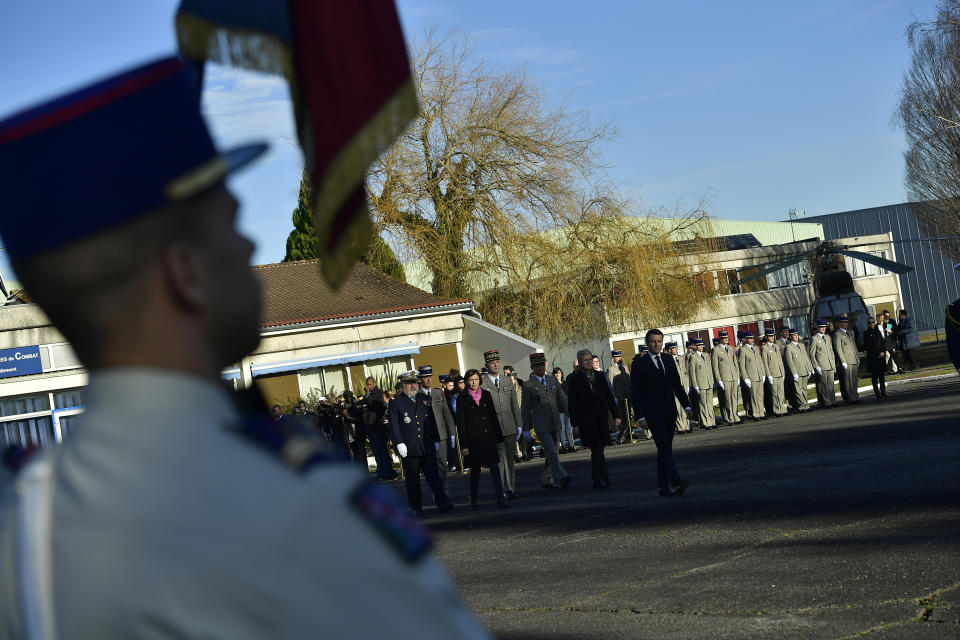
(298, 449)
(383, 511)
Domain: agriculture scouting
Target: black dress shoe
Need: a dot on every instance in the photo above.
(565, 483)
(683, 487)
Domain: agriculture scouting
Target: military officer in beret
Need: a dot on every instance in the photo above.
(726, 372)
(619, 375)
(700, 382)
(773, 360)
(797, 365)
(413, 431)
(682, 422)
(177, 509)
(505, 403)
(848, 359)
(824, 363)
(446, 427)
(542, 399)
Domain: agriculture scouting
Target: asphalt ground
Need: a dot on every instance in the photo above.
(836, 524)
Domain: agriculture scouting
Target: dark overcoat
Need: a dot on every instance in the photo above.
(412, 423)
(478, 429)
(874, 343)
(590, 406)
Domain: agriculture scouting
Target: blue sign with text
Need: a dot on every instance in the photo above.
(21, 361)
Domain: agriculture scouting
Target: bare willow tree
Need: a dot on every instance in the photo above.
(501, 196)
(929, 113)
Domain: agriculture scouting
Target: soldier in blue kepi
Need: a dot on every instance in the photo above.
(195, 519)
(413, 430)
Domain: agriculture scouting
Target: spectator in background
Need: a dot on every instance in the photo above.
(566, 429)
(591, 402)
(889, 330)
(276, 414)
(302, 418)
(375, 406)
(874, 344)
(909, 340)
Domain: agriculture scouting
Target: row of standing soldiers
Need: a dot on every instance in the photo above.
(770, 379)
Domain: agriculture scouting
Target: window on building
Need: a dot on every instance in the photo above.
(385, 370)
(859, 269)
(37, 432)
(732, 281)
(794, 275)
(24, 404)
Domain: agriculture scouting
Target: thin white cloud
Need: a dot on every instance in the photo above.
(242, 105)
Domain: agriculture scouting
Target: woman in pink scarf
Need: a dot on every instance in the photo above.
(479, 433)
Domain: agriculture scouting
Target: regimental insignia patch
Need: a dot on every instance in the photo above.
(298, 449)
(400, 528)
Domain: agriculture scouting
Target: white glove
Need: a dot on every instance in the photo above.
(519, 431)
(748, 382)
(795, 377)
(819, 370)
(402, 450)
(720, 382)
(844, 364)
(436, 446)
(770, 379)
(453, 441)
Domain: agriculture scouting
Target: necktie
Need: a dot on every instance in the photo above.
(496, 383)
(656, 359)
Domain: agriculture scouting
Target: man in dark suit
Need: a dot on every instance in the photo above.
(413, 430)
(590, 401)
(442, 416)
(655, 379)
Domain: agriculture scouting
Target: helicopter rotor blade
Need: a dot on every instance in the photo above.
(873, 244)
(775, 266)
(883, 263)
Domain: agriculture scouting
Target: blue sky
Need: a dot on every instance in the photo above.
(757, 106)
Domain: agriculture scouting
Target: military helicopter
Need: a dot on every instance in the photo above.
(832, 284)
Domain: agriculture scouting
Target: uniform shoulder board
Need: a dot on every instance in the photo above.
(299, 449)
(382, 510)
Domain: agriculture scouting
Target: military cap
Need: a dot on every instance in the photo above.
(424, 371)
(616, 353)
(843, 319)
(483, 370)
(642, 349)
(490, 356)
(769, 331)
(444, 377)
(794, 331)
(408, 376)
(724, 334)
(114, 150)
(784, 328)
(537, 358)
(716, 341)
(671, 345)
(689, 343)
(697, 342)
(821, 323)
(748, 334)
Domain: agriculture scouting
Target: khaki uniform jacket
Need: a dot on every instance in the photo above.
(699, 371)
(505, 403)
(845, 348)
(724, 363)
(796, 361)
(772, 359)
(821, 353)
(751, 364)
(541, 404)
(682, 368)
(166, 521)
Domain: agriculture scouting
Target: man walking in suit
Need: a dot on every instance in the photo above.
(797, 364)
(590, 402)
(727, 376)
(682, 421)
(446, 427)
(414, 434)
(542, 398)
(505, 403)
(824, 363)
(773, 361)
(700, 381)
(656, 383)
(848, 359)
